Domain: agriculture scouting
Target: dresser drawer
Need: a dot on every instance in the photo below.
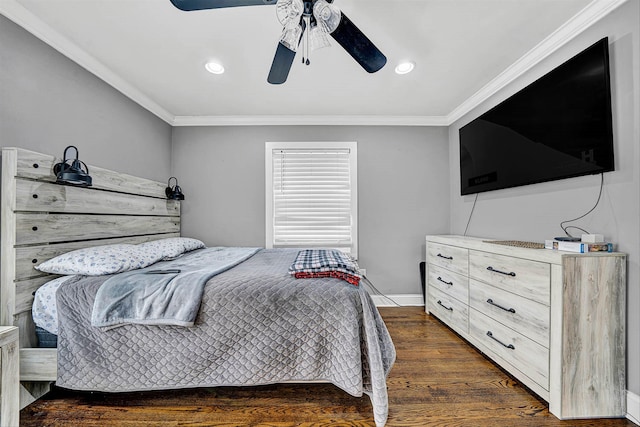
(450, 257)
(450, 283)
(530, 279)
(529, 357)
(451, 311)
(528, 317)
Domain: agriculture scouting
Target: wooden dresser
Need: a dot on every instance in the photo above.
(554, 320)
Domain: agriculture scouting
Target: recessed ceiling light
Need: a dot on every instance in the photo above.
(405, 67)
(214, 67)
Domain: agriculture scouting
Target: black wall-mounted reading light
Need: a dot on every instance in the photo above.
(72, 173)
(174, 193)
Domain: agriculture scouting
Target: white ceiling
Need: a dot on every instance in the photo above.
(155, 54)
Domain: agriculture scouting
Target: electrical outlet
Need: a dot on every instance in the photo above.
(363, 271)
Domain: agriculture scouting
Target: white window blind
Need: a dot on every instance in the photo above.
(313, 197)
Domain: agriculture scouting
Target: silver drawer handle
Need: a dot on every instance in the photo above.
(445, 257)
(510, 310)
(444, 281)
(511, 273)
(442, 305)
(490, 335)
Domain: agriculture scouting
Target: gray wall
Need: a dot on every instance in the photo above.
(222, 172)
(48, 102)
(534, 212)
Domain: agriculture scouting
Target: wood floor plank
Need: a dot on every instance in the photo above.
(438, 381)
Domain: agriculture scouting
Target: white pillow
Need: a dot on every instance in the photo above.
(169, 248)
(45, 307)
(98, 260)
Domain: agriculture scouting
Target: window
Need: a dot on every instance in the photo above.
(311, 195)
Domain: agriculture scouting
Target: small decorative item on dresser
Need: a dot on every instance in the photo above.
(72, 173)
(175, 192)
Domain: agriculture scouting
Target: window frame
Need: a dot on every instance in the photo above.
(352, 146)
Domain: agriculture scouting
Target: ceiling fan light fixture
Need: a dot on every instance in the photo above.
(214, 67)
(289, 12)
(327, 15)
(405, 67)
(291, 37)
(299, 15)
(318, 38)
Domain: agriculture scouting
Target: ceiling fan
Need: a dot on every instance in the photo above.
(306, 23)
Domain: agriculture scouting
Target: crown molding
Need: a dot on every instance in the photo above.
(309, 121)
(21, 16)
(588, 16)
(592, 13)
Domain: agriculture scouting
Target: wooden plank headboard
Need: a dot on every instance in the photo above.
(40, 219)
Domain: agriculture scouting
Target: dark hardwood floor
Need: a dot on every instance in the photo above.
(438, 380)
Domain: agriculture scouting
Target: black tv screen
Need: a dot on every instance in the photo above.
(558, 127)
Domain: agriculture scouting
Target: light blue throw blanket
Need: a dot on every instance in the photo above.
(166, 293)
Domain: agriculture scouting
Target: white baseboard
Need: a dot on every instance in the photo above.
(405, 300)
(395, 300)
(633, 407)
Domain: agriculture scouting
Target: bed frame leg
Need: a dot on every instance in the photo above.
(9, 376)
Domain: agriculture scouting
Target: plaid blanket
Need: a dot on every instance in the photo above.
(325, 263)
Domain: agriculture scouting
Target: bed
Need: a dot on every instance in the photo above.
(42, 220)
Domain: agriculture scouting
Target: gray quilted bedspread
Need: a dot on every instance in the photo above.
(256, 325)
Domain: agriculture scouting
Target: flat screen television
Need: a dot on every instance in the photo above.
(558, 127)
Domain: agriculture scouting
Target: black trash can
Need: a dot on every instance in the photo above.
(422, 279)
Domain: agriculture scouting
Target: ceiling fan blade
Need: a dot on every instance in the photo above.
(281, 65)
(217, 4)
(358, 45)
